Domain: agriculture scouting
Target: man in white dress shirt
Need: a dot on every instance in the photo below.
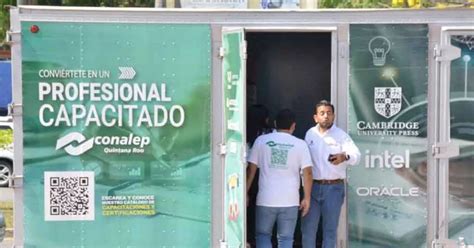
(331, 151)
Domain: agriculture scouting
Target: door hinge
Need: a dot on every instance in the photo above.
(444, 243)
(15, 181)
(221, 52)
(243, 49)
(445, 150)
(15, 109)
(222, 149)
(449, 243)
(343, 51)
(223, 244)
(10, 34)
(446, 53)
(244, 154)
(342, 243)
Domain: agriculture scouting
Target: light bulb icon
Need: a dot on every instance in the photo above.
(466, 58)
(379, 47)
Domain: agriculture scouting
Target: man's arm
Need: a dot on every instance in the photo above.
(351, 151)
(307, 186)
(350, 154)
(251, 171)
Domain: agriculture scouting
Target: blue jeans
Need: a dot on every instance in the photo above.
(326, 200)
(285, 217)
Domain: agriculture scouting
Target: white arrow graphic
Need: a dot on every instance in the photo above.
(127, 73)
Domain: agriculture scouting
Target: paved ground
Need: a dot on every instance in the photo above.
(6, 194)
(7, 243)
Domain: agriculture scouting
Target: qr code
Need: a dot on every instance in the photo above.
(279, 158)
(69, 195)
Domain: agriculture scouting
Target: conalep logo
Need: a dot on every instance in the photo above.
(67, 142)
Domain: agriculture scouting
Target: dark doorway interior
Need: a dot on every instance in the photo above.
(289, 70)
(286, 70)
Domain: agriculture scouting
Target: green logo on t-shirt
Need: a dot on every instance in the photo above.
(271, 143)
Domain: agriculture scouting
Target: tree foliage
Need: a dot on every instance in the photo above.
(4, 18)
(99, 3)
(6, 138)
(355, 4)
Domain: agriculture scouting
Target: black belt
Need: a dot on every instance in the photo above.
(325, 181)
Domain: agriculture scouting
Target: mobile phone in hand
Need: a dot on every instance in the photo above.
(331, 157)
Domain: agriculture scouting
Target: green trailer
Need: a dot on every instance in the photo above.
(130, 124)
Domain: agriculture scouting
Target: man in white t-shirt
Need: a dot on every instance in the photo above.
(281, 158)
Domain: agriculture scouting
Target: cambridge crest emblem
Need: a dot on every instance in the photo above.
(387, 100)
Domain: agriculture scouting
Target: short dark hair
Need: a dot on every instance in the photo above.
(323, 103)
(284, 119)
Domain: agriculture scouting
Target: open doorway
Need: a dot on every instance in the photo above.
(286, 70)
(289, 70)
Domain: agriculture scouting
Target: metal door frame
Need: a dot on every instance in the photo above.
(339, 87)
(16, 181)
(440, 148)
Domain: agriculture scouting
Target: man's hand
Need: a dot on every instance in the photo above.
(338, 158)
(304, 206)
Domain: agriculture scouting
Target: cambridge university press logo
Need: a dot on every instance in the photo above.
(387, 100)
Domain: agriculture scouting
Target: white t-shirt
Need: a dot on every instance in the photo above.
(280, 157)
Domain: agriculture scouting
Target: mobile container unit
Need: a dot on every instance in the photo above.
(131, 123)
